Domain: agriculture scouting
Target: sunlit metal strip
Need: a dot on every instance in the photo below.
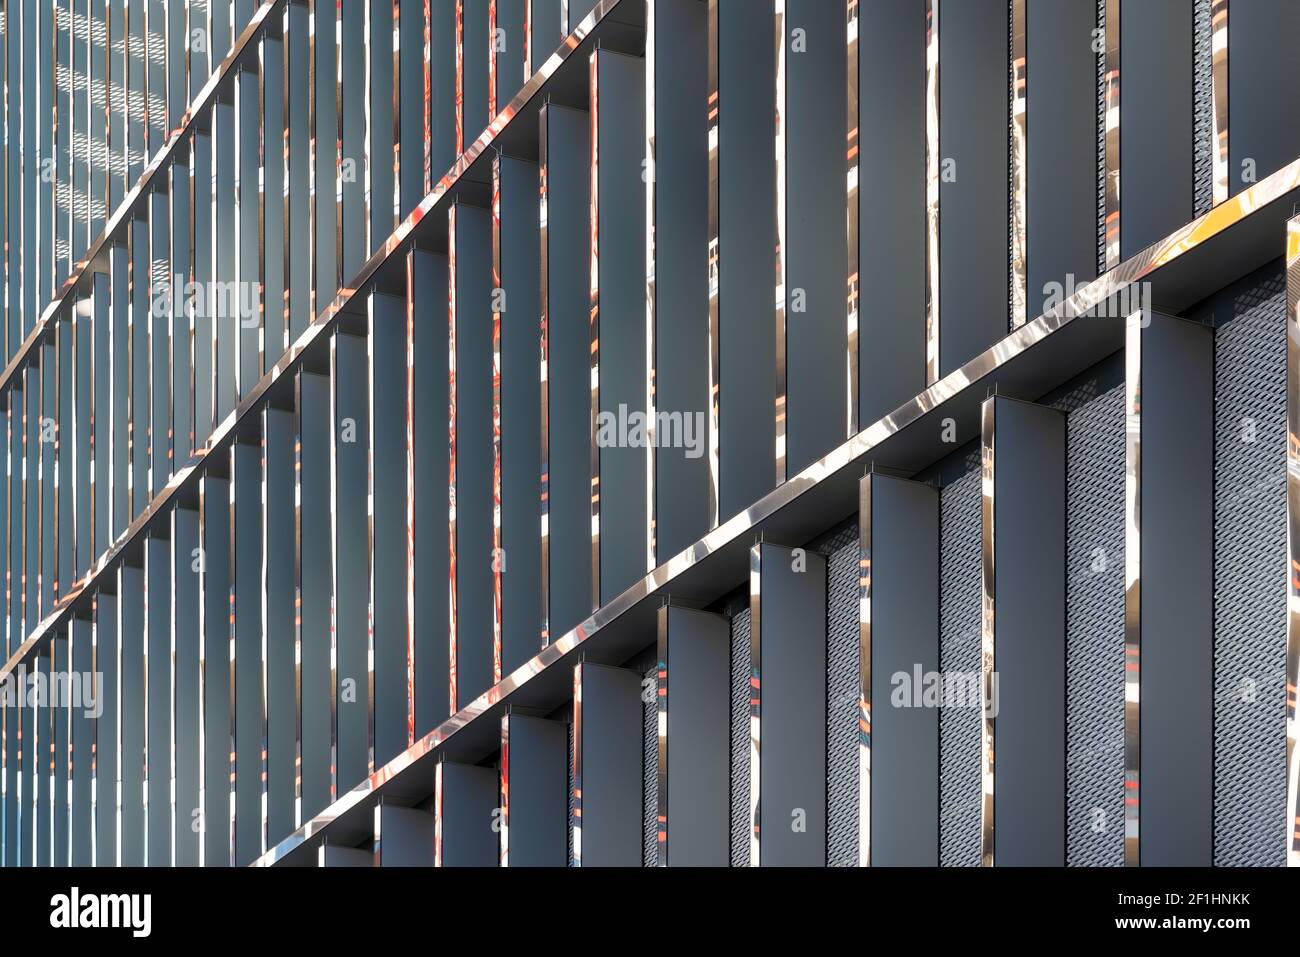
(460, 77)
(864, 671)
(593, 318)
(437, 815)
(497, 305)
(492, 57)
(232, 638)
(932, 163)
(1019, 164)
(335, 25)
(39, 634)
(651, 303)
(427, 125)
(1293, 541)
(313, 145)
(1112, 120)
(503, 858)
(576, 760)
(1219, 97)
(1133, 584)
(544, 257)
(852, 158)
(297, 599)
(988, 595)
(713, 106)
(409, 263)
(781, 412)
(661, 699)
(755, 697)
(396, 106)
(451, 455)
(264, 603)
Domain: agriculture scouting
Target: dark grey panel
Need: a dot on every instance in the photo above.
(973, 179)
(566, 283)
(472, 297)
(187, 636)
(442, 85)
(217, 738)
(607, 736)
(468, 806)
(158, 755)
(1177, 534)
(428, 278)
(815, 253)
(891, 205)
(577, 11)
(547, 30)
(519, 246)
(538, 759)
(351, 560)
(130, 593)
(1061, 172)
(281, 631)
(1028, 541)
(246, 620)
(381, 147)
(352, 134)
(316, 587)
(1156, 150)
(620, 234)
(1264, 103)
(475, 66)
(404, 836)
(389, 501)
(60, 715)
(83, 742)
(508, 42)
(106, 730)
(791, 642)
(326, 208)
(747, 229)
(331, 856)
(904, 574)
(411, 104)
(681, 333)
(275, 250)
(694, 667)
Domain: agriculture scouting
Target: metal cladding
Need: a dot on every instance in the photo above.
(633, 432)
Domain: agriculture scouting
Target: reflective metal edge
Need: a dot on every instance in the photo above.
(544, 403)
(864, 671)
(851, 158)
(593, 319)
(714, 266)
(651, 304)
(661, 693)
(575, 823)
(1019, 159)
(988, 593)
(1219, 97)
(781, 412)
(1112, 120)
(1085, 297)
(451, 455)
(755, 699)
(931, 191)
(503, 856)
(498, 637)
(1293, 540)
(1133, 326)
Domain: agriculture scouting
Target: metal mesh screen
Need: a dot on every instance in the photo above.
(740, 738)
(1249, 582)
(959, 650)
(1101, 141)
(572, 817)
(650, 774)
(1094, 700)
(1203, 109)
(842, 697)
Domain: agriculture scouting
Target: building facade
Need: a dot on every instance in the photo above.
(650, 432)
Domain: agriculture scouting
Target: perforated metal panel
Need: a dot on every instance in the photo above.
(1101, 140)
(842, 697)
(740, 623)
(1249, 582)
(1094, 699)
(650, 773)
(1203, 99)
(959, 650)
(572, 817)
